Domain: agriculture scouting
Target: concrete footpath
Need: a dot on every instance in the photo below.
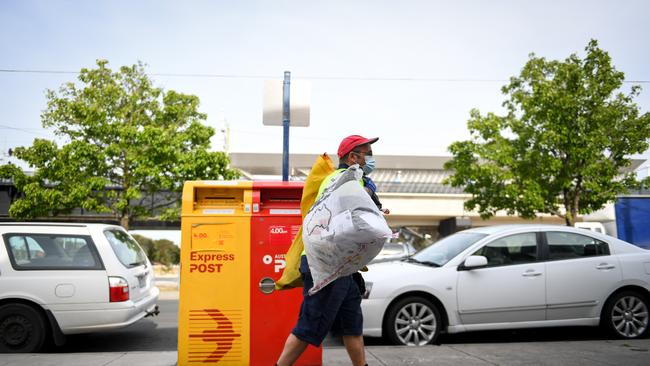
(602, 352)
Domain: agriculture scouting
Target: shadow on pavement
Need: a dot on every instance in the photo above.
(561, 334)
(140, 339)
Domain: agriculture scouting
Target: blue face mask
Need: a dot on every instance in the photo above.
(370, 164)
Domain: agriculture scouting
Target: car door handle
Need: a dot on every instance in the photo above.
(605, 266)
(531, 273)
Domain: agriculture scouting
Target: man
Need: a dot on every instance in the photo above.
(336, 307)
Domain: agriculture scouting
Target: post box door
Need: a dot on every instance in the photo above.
(274, 314)
(214, 304)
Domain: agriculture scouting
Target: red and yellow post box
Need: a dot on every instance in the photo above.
(234, 237)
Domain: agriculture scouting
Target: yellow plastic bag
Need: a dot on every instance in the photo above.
(291, 274)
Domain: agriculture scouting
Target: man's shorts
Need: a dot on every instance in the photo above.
(336, 307)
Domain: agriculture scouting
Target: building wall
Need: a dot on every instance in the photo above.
(429, 209)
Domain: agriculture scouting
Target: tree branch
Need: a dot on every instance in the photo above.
(555, 212)
(164, 204)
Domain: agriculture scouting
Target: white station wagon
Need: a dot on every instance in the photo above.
(505, 277)
(58, 279)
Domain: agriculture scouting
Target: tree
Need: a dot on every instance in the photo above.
(161, 251)
(560, 148)
(124, 140)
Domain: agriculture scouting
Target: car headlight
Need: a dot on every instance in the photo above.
(366, 294)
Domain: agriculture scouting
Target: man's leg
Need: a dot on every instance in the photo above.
(293, 348)
(349, 322)
(356, 351)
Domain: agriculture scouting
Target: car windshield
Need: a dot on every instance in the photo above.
(126, 248)
(442, 251)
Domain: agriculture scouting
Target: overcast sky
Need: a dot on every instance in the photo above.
(459, 52)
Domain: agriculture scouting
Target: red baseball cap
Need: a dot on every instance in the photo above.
(349, 143)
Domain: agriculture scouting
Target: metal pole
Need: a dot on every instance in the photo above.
(286, 118)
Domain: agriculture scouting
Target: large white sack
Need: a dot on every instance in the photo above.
(343, 231)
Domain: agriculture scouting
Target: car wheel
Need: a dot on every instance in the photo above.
(626, 315)
(413, 321)
(22, 329)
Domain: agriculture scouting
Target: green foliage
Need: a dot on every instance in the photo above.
(125, 141)
(560, 148)
(160, 251)
(641, 185)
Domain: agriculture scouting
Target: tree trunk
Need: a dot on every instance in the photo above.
(124, 221)
(571, 200)
(571, 215)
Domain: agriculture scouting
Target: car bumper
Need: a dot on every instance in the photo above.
(110, 316)
(373, 316)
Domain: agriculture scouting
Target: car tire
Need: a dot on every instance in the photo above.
(413, 321)
(22, 329)
(626, 315)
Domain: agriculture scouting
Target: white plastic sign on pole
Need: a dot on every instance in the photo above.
(300, 97)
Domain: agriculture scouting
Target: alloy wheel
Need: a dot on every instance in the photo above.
(415, 324)
(629, 316)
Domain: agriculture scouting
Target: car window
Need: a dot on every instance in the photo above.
(24, 249)
(447, 248)
(513, 249)
(564, 245)
(52, 252)
(126, 249)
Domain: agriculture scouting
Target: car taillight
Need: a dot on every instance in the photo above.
(118, 289)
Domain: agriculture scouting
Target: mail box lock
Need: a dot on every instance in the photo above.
(267, 285)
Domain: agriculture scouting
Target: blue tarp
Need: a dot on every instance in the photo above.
(633, 220)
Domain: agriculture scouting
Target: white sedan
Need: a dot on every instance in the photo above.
(506, 277)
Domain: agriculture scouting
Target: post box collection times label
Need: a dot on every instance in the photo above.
(282, 234)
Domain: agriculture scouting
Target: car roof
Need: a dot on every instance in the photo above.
(57, 224)
(496, 229)
(620, 246)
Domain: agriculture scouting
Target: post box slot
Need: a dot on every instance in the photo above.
(279, 198)
(218, 197)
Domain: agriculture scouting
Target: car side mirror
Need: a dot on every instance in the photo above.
(473, 261)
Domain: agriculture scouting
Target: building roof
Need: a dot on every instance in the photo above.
(413, 181)
(398, 173)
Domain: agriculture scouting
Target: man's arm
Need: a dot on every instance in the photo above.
(371, 188)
